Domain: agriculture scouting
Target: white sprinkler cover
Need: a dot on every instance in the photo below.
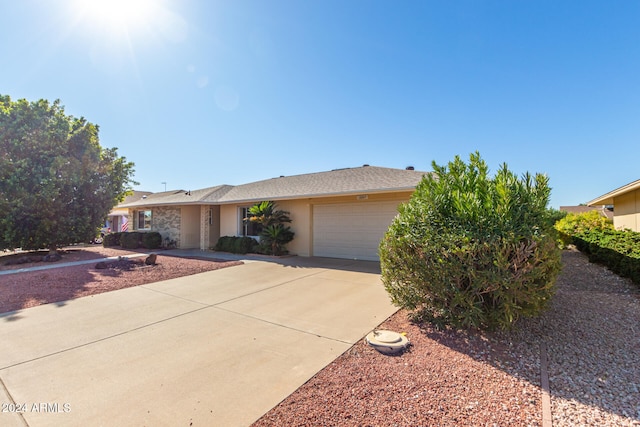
(387, 342)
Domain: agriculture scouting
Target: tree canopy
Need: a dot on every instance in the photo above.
(57, 184)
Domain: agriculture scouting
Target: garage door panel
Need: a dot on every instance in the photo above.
(351, 230)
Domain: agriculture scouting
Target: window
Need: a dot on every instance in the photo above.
(248, 228)
(144, 220)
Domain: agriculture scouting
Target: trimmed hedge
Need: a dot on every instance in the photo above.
(131, 240)
(236, 245)
(594, 235)
(111, 239)
(152, 240)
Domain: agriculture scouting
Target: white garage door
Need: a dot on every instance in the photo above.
(351, 230)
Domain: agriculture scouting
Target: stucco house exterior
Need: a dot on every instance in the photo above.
(341, 213)
(626, 205)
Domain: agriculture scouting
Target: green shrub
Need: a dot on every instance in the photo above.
(575, 223)
(468, 250)
(618, 250)
(111, 239)
(151, 240)
(274, 235)
(236, 245)
(224, 244)
(273, 239)
(131, 240)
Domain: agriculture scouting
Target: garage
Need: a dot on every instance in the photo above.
(351, 230)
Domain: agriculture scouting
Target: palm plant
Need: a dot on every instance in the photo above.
(274, 238)
(266, 214)
(273, 235)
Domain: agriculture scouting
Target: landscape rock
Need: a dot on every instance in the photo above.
(52, 257)
(151, 259)
(22, 260)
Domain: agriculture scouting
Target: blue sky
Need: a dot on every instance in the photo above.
(203, 92)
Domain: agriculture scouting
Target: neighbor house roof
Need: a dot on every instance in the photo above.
(364, 179)
(607, 199)
(582, 209)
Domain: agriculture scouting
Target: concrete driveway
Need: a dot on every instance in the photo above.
(215, 349)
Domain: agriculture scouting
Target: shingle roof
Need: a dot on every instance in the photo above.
(365, 179)
(179, 197)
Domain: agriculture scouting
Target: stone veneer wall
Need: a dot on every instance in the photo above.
(166, 221)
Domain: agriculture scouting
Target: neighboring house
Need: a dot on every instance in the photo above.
(606, 211)
(341, 213)
(118, 218)
(626, 205)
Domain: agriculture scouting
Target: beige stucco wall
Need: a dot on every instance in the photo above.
(229, 220)
(626, 211)
(190, 227)
(301, 213)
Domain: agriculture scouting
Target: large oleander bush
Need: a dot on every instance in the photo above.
(471, 250)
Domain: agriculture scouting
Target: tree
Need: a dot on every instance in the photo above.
(274, 235)
(470, 250)
(57, 184)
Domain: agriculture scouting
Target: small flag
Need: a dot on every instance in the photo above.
(125, 224)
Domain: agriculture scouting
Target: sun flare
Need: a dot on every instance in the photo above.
(117, 16)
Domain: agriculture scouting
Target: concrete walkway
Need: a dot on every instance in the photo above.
(219, 348)
(48, 266)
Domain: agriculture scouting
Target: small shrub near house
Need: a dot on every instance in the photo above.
(470, 250)
(236, 245)
(131, 240)
(151, 240)
(111, 239)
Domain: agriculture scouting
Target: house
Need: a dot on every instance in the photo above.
(341, 213)
(626, 205)
(118, 218)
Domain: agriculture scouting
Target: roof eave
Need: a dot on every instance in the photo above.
(149, 205)
(607, 199)
(319, 195)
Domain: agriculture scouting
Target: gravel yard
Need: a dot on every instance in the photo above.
(492, 379)
(29, 289)
(446, 378)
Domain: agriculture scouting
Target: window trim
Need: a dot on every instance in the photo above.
(243, 226)
(142, 214)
